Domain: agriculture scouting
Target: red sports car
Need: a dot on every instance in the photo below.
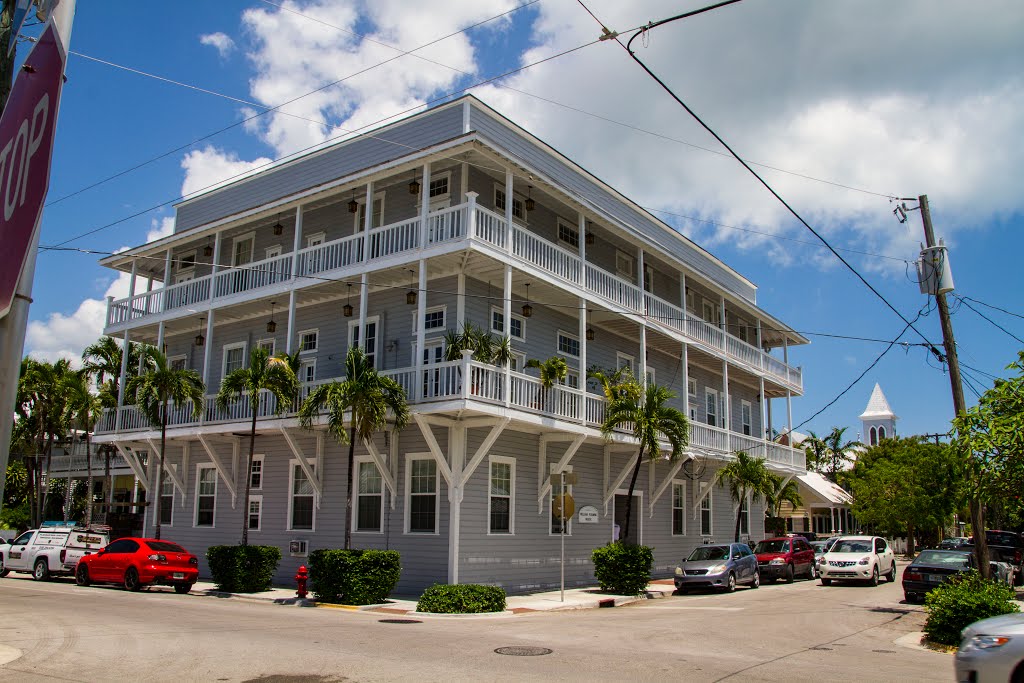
(136, 562)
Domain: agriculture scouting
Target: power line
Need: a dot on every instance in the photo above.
(997, 308)
(993, 322)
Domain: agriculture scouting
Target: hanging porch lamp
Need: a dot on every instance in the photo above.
(200, 339)
(347, 308)
(530, 204)
(271, 325)
(353, 205)
(590, 330)
(410, 296)
(208, 249)
(414, 186)
(527, 308)
(278, 228)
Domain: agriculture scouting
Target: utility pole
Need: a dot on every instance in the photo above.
(959, 406)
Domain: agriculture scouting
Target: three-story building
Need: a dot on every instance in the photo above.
(388, 240)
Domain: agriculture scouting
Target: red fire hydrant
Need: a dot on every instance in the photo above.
(300, 578)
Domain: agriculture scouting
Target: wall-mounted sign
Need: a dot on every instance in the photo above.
(588, 515)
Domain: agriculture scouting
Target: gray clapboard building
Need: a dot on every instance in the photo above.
(389, 239)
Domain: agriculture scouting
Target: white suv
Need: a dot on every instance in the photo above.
(53, 549)
(860, 558)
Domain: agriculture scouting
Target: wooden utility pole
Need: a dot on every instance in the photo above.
(959, 406)
(6, 60)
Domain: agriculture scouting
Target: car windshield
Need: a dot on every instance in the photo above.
(708, 552)
(819, 546)
(1002, 538)
(776, 546)
(851, 546)
(946, 559)
(164, 546)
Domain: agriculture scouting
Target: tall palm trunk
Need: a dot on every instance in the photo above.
(108, 485)
(624, 532)
(980, 542)
(248, 474)
(88, 479)
(348, 498)
(157, 495)
(67, 491)
(49, 478)
(739, 516)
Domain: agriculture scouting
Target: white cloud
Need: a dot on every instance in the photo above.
(210, 167)
(219, 40)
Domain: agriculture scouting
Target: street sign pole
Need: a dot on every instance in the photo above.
(562, 534)
(26, 145)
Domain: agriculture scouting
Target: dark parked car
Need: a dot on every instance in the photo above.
(137, 562)
(785, 558)
(932, 568)
(718, 566)
(1005, 546)
(955, 543)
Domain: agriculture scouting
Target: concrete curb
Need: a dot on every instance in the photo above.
(253, 597)
(477, 615)
(913, 640)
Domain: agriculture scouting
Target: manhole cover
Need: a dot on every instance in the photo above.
(523, 651)
(822, 648)
(399, 621)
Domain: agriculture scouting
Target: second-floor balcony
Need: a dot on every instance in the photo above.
(464, 380)
(466, 225)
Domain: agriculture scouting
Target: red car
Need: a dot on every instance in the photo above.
(785, 558)
(137, 562)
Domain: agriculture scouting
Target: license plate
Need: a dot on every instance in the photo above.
(178, 575)
(933, 578)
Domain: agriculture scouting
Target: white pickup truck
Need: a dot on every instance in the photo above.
(51, 550)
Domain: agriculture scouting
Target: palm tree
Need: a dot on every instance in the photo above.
(744, 476)
(101, 361)
(368, 397)
(816, 451)
(264, 374)
(486, 347)
(775, 494)
(838, 453)
(43, 390)
(153, 391)
(650, 420)
(85, 408)
(552, 370)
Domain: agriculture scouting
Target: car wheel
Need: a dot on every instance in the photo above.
(891, 576)
(814, 571)
(756, 581)
(873, 581)
(826, 582)
(182, 587)
(4, 571)
(681, 591)
(1018, 674)
(82, 575)
(131, 580)
(789, 573)
(730, 586)
(40, 570)
(908, 597)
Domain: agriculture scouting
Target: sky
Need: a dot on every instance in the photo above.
(839, 105)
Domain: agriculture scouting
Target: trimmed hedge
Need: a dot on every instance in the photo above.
(466, 598)
(243, 568)
(961, 601)
(353, 577)
(623, 569)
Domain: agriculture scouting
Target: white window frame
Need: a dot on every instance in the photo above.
(443, 309)
(708, 391)
(370, 319)
(710, 508)
(171, 360)
(625, 265)
(673, 507)
(746, 417)
(881, 433)
(252, 248)
(630, 361)
(573, 233)
(437, 177)
(495, 330)
(303, 364)
(224, 361)
(873, 437)
(511, 462)
(185, 276)
(359, 461)
(519, 360)
(691, 301)
(180, 265)
(691, 387)
(409, 458)
(743, 511)
(315, 239)
(292, 464)
(710, 312)
(650, 375)
(517, 202)
(268, 341)
(259, 515)
(361, 201)
(558, 344)
(648, 282)
(273, 251)
(195, 504)
(167, 482)
(312, 330)
(742, 330)
(555, 491)
(257, 458)
(572, 379)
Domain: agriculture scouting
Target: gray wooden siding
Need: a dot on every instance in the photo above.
(367, 151)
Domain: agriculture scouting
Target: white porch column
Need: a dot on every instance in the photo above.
(789, 416)
(425, 205)
(457, 457)
(149, 285)
(167, 268)
(460, 303)
(682, 296)
(581, 228)
(367, 221)
(509, 187)
(216, 263)
(289, 343)
(721, 318)
(583, 357)
(506, 326)
(764, 420)
(208, 348)
(685, 362)
(160, 330)
(727, 408)
(421, 314)
(124, 373)
(364, 296)
(131, 282)
(297, 241)
(643, 355)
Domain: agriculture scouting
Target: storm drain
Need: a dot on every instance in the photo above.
(523, 651)
(399, 621)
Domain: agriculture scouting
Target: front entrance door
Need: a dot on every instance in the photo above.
(633, 535)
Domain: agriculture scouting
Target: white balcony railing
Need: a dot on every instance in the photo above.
(445, 226)
(447, 381)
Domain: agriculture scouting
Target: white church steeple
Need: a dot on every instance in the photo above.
(878, 420)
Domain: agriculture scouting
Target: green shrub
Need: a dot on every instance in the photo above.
(961, 601)
(353, 577)
(623, 569)
(243, 568)
(467, 598)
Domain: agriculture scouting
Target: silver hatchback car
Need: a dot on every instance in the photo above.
(720, 566)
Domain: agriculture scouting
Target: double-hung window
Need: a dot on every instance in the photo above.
(746, 413)
(234, 357)
(678, 508)
(256, 473)
(517, 330)
(433, 319)
(206, 495)
(371, 342)
(501, 495)
(705, 510)
(568, 235)
(166, 501)
(255, 514)
(369, 497)
(568, 345)
(421, 500)
(308, 341)
(499, 203)
(711, 406)
(301, 498)
(745, 517)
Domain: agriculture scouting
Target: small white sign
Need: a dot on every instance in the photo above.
(588, 515)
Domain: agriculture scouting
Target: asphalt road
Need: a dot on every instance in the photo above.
(799, 632)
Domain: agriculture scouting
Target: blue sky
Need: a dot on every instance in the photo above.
(905, 99)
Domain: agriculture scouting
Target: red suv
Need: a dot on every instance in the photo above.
(785, 558)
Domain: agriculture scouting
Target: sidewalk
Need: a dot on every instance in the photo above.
(575, 598)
